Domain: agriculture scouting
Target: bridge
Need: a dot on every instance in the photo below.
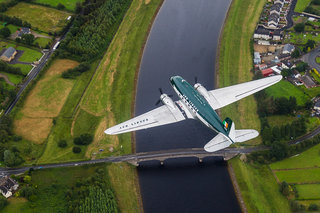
(136, 159)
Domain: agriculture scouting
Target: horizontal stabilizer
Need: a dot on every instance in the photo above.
(219, 142)
(245, 135)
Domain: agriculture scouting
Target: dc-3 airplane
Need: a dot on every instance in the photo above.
(198, 103)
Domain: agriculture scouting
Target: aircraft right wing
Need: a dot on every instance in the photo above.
(224, 96)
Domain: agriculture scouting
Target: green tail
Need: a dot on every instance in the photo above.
(227, 124)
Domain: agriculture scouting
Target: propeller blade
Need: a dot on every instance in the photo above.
(160, 90)
(195, 79)
(158, 102)
(170, 96)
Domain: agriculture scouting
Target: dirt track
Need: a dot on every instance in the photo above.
(6, 79)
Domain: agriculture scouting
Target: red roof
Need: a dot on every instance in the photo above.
(267, 72)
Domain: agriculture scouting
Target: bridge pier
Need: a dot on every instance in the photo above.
(161, 163)
(200, 160)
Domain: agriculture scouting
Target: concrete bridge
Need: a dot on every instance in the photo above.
(135, 159)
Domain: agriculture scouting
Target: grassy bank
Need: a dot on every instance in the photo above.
(259, 188)
(235, 60)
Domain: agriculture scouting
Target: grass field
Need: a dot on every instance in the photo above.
(286, 89)
(69, 4)
(44, 18)
(309, 158)
(235, 60)
(44, 103)
(25, 68)
(308, 191)
(12, 28)
(42, 42)
(301, 38)
(259, 188)
(299, 176)
(108, 95)
(301, 5)
(16, 79)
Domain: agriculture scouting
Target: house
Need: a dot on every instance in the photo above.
(261, 33)
(273, 20)
(276, 69)
(257, 58)
(7, 186)
(307, 81)
(267, 72)
(23, 31)
(276, 9)
(296, 74)
(263, 42)
(279, 2)
(317, 105)
(287, 49)
(277, 35)
(8, 55)
(262, 66)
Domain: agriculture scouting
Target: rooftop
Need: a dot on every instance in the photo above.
(9, 52)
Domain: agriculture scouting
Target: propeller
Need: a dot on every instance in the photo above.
(161, 92)
(195, 79)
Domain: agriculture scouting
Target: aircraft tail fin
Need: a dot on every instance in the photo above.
(239, 136)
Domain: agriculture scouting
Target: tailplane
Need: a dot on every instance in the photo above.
(222, 141)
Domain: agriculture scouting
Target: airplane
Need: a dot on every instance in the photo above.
(196, 102)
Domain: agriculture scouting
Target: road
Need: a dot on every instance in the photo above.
(143, 156)
(310, 58)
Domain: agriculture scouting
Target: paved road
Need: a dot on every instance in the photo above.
(136, 157)
(310, 58)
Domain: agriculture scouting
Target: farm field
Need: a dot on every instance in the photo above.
(300, 176)
(44, 18)
(69, 4)
(308, 191)
(301, 5)
(286, 89)
(259, 188)
(235, 60)
(44, 103)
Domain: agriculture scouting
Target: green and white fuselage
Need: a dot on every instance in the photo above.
(198, 103)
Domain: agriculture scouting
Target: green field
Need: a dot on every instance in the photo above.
(286, 89)
(51, 191)
(44, 18)
(309, 158)
(235, 60)
(308, 191)
(16, 79)
(69, 4)
(12, 28)
(25, 68)
(299, 176)
(301, 5)
(42, 42)
(259, 188)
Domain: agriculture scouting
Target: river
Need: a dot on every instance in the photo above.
(183, 41)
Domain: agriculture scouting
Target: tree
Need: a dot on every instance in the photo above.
(62, 143)
(266, 135)
(5, 32)
(9, 158)
(60, 6)
(284, 188)
(83, 139)
(313, 207)
(310, 43)
(4, 136)
(279, 150)
(27, 179)
(76, 149)
(295, 53)
(299, 27)
(27, 38)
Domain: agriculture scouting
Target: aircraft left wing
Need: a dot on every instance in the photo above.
(224, 96)
(157, 117)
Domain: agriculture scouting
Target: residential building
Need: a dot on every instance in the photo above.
(287, 49)
(7, 186)
(267, 72)
(276, 9)
(8, 55)
(317, 105)
(257, 58)
(273, 20)
(262, 33)
(23, 31)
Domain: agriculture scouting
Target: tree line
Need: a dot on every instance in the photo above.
(14, 20)
(5, 67)
(93, 28)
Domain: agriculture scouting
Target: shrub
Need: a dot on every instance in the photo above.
(60, 6)
(313, 207)
(76, 149)
(83, 139)
(299, 27)
(62, 143)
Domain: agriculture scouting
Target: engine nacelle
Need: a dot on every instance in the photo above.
(167, 101)
(202, 90)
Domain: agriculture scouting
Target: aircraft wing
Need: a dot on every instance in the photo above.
(157, 117)
(227, 95)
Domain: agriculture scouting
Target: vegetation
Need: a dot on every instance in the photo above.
(14, 21)
(4, 67)
(258, 187)
(84, 139)
(299, 27)
(88, 38)
(73, 73)
(308, 191)
(42, 18)
(69, 5)
(301, 5)
(236, 54)
(76, 149)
